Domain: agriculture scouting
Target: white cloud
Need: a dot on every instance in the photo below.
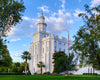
(44, 8)
(57, 22)
(25, 28)
(70, 21)
(63, 4)
(31, 26)
(26, 18)
(13, 40)
(95, 3)
(17, 56)
(77, 12)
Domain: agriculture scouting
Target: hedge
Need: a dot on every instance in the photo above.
(11, 73)
(90, 74)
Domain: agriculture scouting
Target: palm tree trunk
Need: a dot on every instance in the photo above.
(26, 67)
(41, 70)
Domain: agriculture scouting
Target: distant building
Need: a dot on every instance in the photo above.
(86, 69)
(43, 46)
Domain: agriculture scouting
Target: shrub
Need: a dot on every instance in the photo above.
(35, 73)
(71, 73)
(47, 73)
(29, 73)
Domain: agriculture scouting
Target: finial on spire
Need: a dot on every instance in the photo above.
(41, 16)
(42, 12)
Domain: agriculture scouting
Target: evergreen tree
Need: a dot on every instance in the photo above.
(63, 62)
(59, 62)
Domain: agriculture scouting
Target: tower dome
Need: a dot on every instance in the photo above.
(41, 23)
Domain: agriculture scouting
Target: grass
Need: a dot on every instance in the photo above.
(48, 77)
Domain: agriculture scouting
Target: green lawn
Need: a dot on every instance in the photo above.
(48, 77)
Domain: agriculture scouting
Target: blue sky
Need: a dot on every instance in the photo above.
(61, 17)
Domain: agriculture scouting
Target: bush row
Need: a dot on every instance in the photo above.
(90, 74)
(11, 73)
(47, 73)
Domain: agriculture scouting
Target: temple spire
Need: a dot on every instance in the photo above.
(42, 12)
(41, 23)
(42, 16)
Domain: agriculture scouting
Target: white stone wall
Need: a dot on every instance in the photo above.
(42, 50)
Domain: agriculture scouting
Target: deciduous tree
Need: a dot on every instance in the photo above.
(87, 40)
(10, 14)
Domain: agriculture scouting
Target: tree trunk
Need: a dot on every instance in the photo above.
(41, 70)
(26, 67)
(8, 70)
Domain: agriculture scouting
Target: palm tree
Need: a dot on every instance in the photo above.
(26, 55)
(40, 65)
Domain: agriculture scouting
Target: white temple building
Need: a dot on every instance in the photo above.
(43, 47)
